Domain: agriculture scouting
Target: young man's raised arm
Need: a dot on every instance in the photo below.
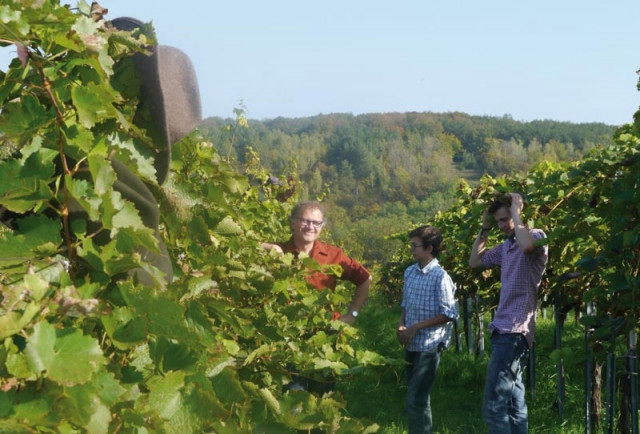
(479, 245)
(523, 235)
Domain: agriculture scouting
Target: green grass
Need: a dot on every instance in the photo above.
(378, 394)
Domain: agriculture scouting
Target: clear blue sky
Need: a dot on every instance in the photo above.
(564, 60)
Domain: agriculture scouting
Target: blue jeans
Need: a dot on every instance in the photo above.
(504, 409)
(421, 373)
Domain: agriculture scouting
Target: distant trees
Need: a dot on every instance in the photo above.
(505, 156)
(359, 165)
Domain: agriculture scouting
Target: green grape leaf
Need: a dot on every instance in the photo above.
(103, 174)
(125, 329)
(108, 388)
(198, 321)
(232, 347)
(261, 350)
(201, 400)
(100, 420)
(228, 386)
(117, 264)
(351, 425)
(63, 40)
(26, 115)
(34, 410)
(171, 356)
(86, 98)
(34, 233)
(134, 331)
(87, 30)
(164, 317)
(17, 364)
(81, 405)
(84, 195)
(233, 183)
(24, 312)
(119, 213)
(303, 410)
(270, 400)
(19, 191)
(371, 358)
(10, 323)
(141, 163)
(5, 406)
(38, 160)
(80, 141)
(320, 364)
(165, 394)
(65, 356)
(127, 217)
(14, 21)
(229, 227)
(541, 242)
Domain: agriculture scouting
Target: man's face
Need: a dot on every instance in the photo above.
(504, 220)
(307, 227)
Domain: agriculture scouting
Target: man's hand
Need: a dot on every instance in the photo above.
(487, 220)
(405, 335)
(274, 247)
(348, 318)
(399, 331)
(516, 203)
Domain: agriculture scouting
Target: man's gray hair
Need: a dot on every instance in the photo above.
(301, 207)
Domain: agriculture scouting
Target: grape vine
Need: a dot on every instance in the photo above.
(96, 335)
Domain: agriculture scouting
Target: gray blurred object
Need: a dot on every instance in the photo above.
(169, 92)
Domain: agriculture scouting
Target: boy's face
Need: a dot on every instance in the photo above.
(504, 220)
(419, 252)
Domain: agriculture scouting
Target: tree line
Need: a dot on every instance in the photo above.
(380, 173)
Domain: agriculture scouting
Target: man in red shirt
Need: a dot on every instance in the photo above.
(307, 221)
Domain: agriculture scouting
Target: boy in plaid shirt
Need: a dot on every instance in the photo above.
(424, 328)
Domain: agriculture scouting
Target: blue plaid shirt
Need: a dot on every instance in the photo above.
(428, 292)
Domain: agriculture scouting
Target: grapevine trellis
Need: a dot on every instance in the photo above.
(590, 211)
(128, 304)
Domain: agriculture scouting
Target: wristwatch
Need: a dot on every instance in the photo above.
(354, 313)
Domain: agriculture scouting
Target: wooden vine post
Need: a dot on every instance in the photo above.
(560, 317)
(633, 372)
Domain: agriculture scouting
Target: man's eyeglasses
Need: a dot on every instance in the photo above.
(315, 223)
(415, 246)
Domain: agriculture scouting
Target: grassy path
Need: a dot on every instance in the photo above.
(378, 394)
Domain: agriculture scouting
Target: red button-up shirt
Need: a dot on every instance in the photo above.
(326, 254)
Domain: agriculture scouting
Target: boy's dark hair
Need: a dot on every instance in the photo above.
(500, 201)
(429, 236)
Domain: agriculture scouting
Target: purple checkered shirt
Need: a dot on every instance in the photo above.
(520, 275)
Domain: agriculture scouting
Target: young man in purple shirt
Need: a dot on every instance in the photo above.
(521, 265)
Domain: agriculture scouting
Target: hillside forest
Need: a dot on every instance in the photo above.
(380, 174)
